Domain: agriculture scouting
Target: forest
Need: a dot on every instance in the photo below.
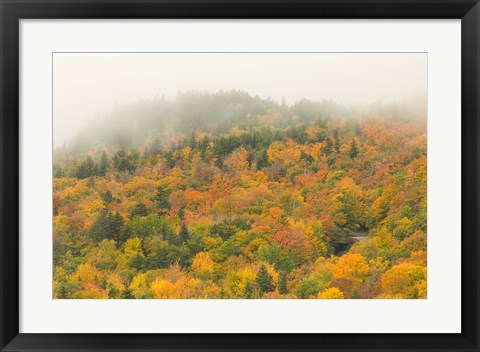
(230, 196)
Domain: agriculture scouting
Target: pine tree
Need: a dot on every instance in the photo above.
(282, 283)
(192, 143)
(181, 213)
(87, 168)
(95, 170)
(248, 293)
(62, 292)
(116, 228)
(328, 146)
(161, 199)
(353, 152)
(107, 197)
(204, 143)
(264, 280)
(103, 167)
(262, 161)
(139, 209)
(124, 162)
(108, 226)
(127, 294)
(99, 229)
(183, 236)
(337, 141)
(58, 172)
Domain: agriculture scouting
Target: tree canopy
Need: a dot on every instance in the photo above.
(230, 196)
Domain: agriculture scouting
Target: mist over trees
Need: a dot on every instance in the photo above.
(160, 121)
(225, 195)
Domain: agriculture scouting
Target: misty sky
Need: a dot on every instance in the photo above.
(86, 86)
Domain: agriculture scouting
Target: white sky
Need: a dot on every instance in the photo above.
(89, 85)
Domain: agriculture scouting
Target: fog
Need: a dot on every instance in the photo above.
(89, 85)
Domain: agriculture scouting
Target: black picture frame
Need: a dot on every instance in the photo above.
(12, 11)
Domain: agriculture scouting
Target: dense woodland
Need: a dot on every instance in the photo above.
(227, 195)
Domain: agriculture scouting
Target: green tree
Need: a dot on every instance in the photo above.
(103, 167)
(262, 161)
(161, 199)
(57, 172)
(139, 209)
(181, 213)
(224, 230)
(123, 161)
(148, 226)
(108, 225)
(308, 288)
(336, 143)
(62, 291)
(282, 283)
(264, 280)
(274, 254)
(183, 236)
(87, 168)
(107, 197)
(249, 292)
(353, 152)
(127, 294)
(328, 146)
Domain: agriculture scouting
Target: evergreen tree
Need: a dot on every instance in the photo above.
(181, 213)
(353, 152)
(328, 146)
(57, 172)
(103, 167)
(262, 161)
(192, 143)
(248, 293)
(107, 197)
(168, 155)
(108, 226)
(161, 199)
(117, 228)
(204, 143)
(87, 168)
(62, 291)
(224, 230)
(183, 236)
(282, 283)
(124, 162)
(337, 141)
(264, 280)
(127, 294)
(139, 209)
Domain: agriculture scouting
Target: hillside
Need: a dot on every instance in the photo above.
(231, 196)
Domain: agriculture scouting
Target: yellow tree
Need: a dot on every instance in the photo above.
(405, 280)
(285, 153)
(331, 293)
(352, 267)
(203, 265)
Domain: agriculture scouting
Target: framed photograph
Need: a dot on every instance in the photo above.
(234, 175)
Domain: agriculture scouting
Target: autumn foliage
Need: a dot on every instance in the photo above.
(260, 201)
